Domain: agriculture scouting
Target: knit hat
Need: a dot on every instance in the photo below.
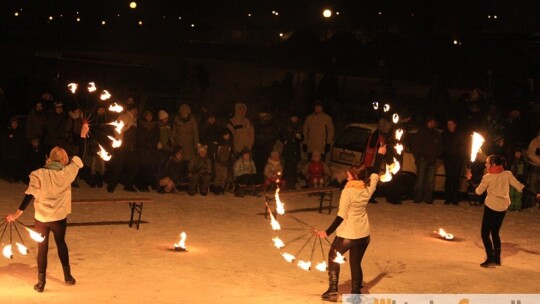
(162, 114)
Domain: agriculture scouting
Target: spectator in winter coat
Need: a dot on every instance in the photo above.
(175, 172)
(317, 173)
(426, 148)
(147, 153)
(184, 132)
(266, 135)
(291, 138)
(533, 156)
(241, 128)
(56, 129)
(35, 156)
(222, 160)
(244, 171)
(318, 132)
(200, 171)
(273, 172)
(13, 148)
(454, 158)
(165, 133)
(36, 121)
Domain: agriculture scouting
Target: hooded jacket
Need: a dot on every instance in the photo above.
(185, 132)
(241, 129)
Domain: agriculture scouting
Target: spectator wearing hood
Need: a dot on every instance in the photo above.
(184, 132)
(200, 171)
(36, 121)
(241, 128)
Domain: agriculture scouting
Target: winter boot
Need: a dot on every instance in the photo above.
(332, 293)
(40, 286)
(497, 256)
(489, 259)
(70, 280)
(99, 180)
(356, 286)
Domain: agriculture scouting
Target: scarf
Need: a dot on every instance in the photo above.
(357, 184)
(56, 166)
(495, 169)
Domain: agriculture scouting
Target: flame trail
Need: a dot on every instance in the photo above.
(22, 249)
(280, 209)
(182, 242)
(7, 252)
(395, 118)
(399, 134)
(103, 153)
(321, 266)
(399, 148)
(288, 257)
(92, 87)
(375, 105)
(116, 108)
(118, 126)
(340, 259)
(386, 107)
(116, 143)
(36, 236)
(304, 265)
(73, 87)
(278, 242)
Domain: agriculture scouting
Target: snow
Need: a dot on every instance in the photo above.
(230, 255)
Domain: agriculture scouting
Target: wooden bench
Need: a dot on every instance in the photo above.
(135, 204)
(326, 194)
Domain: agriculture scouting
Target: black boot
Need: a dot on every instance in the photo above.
(489, 259)
(332, 293)
(497, 256)
(356, 286)
(70, 280)
(99, 180)
(40, 285)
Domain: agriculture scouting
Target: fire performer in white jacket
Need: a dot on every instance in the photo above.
(50, 187)
(352, 225)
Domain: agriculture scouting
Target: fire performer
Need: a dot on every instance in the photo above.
(497, 182)
(352, 225)
(50, 186)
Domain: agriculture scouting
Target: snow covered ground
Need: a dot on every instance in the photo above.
(231, 258)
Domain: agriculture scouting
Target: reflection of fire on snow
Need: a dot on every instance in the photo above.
(181, 245)
(444, 234)
(278, 242)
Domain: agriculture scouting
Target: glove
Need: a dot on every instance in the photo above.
(304, 148)
(326, 148)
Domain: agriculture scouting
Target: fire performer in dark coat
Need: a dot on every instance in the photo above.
(51, 188)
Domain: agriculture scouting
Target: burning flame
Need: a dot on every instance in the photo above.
(280, 209)
(445, 235)
(477, 141)
(22, 249)
(104, 154)
(339, 258)
(118, 126)
(105, 95)
(375, 105)
(399, 148)
(393, 168)
(395, 118)
(116, 143)
(116, 108)
(7, 252)
(35, 235)
(275, 224)
(288, 257)
(321, 266)
(73, 87)
(182, 242)
(278, 242)
(91, 87)
(399, 133)
(386, 107)
(304, 265)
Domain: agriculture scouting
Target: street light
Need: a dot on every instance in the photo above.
(327, 13)
(133, 5)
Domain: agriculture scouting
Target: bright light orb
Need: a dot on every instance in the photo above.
(327, 13)
(16, 14)
(140, 22)
(103, 22)
(133, 5)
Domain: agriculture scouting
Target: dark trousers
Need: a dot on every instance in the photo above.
(491, 224)
(58, 229)
(357, 247)
(200, 180)
(452, 169)
(124, 164)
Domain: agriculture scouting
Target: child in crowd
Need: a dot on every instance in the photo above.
(245, 173)
(174, 173)
(273, 171)
(200, 171)
(316, 171)
(518, 167)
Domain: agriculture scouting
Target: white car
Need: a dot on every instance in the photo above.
(349, 147)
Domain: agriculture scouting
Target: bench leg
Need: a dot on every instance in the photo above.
(135, 207)
(323, 198)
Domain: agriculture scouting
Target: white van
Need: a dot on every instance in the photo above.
(351, 143)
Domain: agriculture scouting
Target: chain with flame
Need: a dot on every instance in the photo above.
(279, 244)
(7, 251)
(118, 125)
